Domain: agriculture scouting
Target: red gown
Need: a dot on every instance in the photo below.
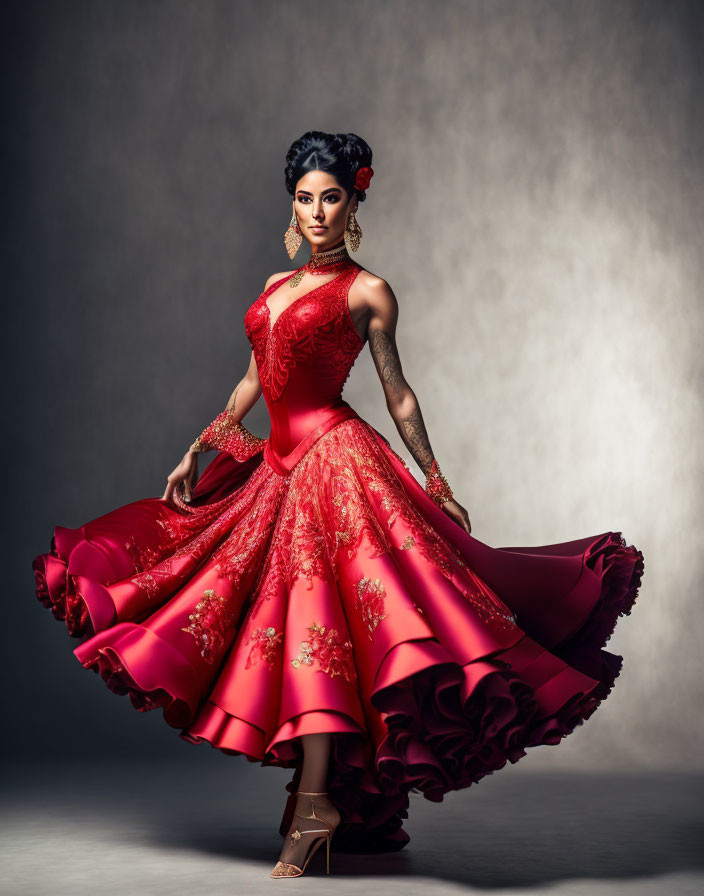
(313, 586)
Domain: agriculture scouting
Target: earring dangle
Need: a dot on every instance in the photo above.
(353, 233)
(293, 236)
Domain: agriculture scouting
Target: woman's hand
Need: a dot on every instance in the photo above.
(457, 513)
(186, 472)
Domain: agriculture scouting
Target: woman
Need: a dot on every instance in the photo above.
(306, 602)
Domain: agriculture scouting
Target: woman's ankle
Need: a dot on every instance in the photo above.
(321, 805)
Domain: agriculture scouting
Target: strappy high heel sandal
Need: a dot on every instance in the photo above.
(288, 869)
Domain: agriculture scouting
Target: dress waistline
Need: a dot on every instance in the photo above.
(283, 464)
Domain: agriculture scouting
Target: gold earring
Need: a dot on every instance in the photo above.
(293, 236)
(353, 233)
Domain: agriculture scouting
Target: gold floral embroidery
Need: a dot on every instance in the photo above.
(305, 655)
(204, 534)
(355, 516)
(329, 508)
(209, 624)
(363, 457)
(170, 528)
(369, 598)
(488, 604)
(334, 656)
(146, 557)
(271, 579)
(387, 504)
(343, 492)
(298, 538)
(143, 555)
(241, 554)
(267, 644)
(149, 584)
(366, 464)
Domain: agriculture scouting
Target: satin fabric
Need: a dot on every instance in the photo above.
(315, 587)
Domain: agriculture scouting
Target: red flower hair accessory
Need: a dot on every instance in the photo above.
(363, 177)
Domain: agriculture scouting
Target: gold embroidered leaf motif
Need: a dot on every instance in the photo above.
(329, 509)
(369, 599)
(267, 646)
(326, 647)
(209, 624)
(201, 529)
(243, 550)
(143, 555)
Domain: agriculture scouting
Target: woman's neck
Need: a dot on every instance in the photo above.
(329, 259)
(323, 262)
(324, 252)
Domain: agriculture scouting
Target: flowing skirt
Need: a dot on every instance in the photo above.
(339, 598)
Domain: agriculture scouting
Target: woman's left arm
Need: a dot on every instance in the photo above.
(400, 397)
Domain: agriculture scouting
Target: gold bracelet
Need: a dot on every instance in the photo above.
(225, 433)
(198, 445)
(437, 486)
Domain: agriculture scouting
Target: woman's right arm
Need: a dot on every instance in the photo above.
(242, 400)
(247, 391)
(224, 433)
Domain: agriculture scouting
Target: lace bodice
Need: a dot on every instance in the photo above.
(315, 331)
(305, 356)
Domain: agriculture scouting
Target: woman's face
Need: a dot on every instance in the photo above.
(322, 208)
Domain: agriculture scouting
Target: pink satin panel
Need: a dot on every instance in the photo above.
(283, 454)
(316, 587)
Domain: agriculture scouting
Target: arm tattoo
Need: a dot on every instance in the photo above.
(386, 358)
(416, 439)
(411, 428)
(233, 399)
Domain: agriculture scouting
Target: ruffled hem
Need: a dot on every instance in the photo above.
(620, 568)
(447, 726)
(70, 579)
(134, 661)
(57, 589)
(592, 580)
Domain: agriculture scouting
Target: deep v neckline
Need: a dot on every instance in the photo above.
(272, 326)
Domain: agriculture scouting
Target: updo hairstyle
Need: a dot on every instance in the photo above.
(340, 154)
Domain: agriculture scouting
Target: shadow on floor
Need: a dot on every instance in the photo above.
(511, 829)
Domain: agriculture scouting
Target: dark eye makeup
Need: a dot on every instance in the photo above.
(335, 197)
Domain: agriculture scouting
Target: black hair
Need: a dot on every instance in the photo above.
(340, 154)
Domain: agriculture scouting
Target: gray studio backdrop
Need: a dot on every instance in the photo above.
(536, 207)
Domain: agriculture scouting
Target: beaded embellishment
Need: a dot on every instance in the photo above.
(319, 526)
(225, 433)
(267, 645)
(143, 555)
(333, 655)
(369, 598)
(321, 263)
(437, 486)
(209, 624)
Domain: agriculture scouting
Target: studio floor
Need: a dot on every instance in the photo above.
(209, 826)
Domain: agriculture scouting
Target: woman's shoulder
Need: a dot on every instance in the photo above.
(372, 290)
(279, 276)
